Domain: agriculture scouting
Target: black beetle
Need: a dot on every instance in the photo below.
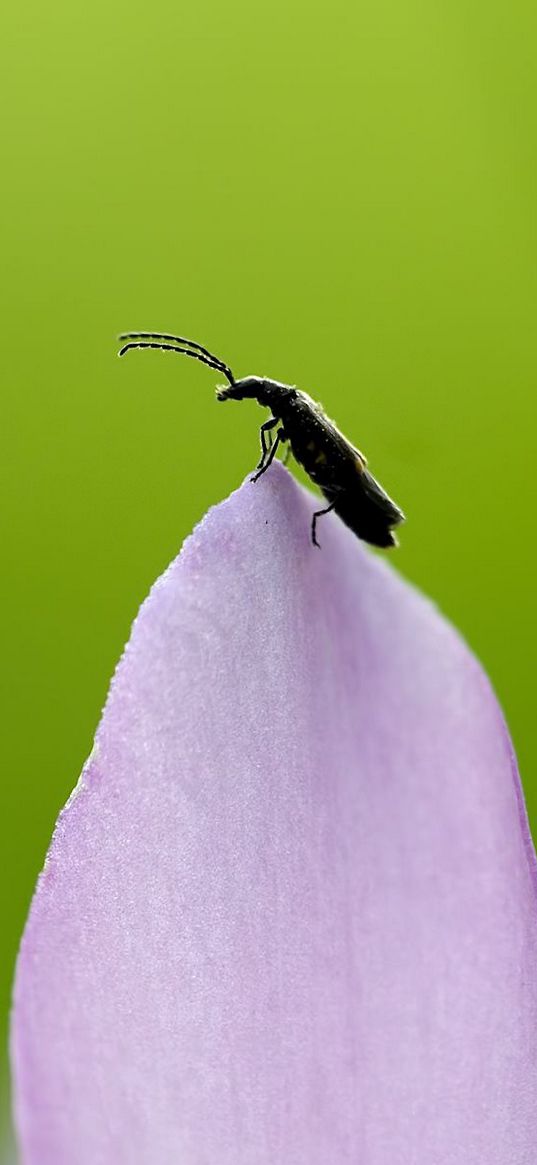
(336, 466)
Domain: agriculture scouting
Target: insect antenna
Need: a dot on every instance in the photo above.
(179, 344)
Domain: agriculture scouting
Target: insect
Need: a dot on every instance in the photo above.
(333, 464)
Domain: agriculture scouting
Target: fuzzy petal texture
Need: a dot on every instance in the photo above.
(288, 916)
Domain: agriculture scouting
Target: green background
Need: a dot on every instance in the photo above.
(342, 197)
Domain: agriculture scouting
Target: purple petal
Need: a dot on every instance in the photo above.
(289, 915)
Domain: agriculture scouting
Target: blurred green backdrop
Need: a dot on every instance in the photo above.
(342, 197)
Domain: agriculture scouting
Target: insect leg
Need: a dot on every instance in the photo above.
(271, 455)
(264, 447)
(319, 514)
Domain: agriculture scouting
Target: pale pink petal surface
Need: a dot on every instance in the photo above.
(289, 916)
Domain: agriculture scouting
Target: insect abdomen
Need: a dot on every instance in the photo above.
(367, 510)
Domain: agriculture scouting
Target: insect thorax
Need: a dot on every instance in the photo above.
(269, 393)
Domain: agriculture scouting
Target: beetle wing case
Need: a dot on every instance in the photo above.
(367, 510)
